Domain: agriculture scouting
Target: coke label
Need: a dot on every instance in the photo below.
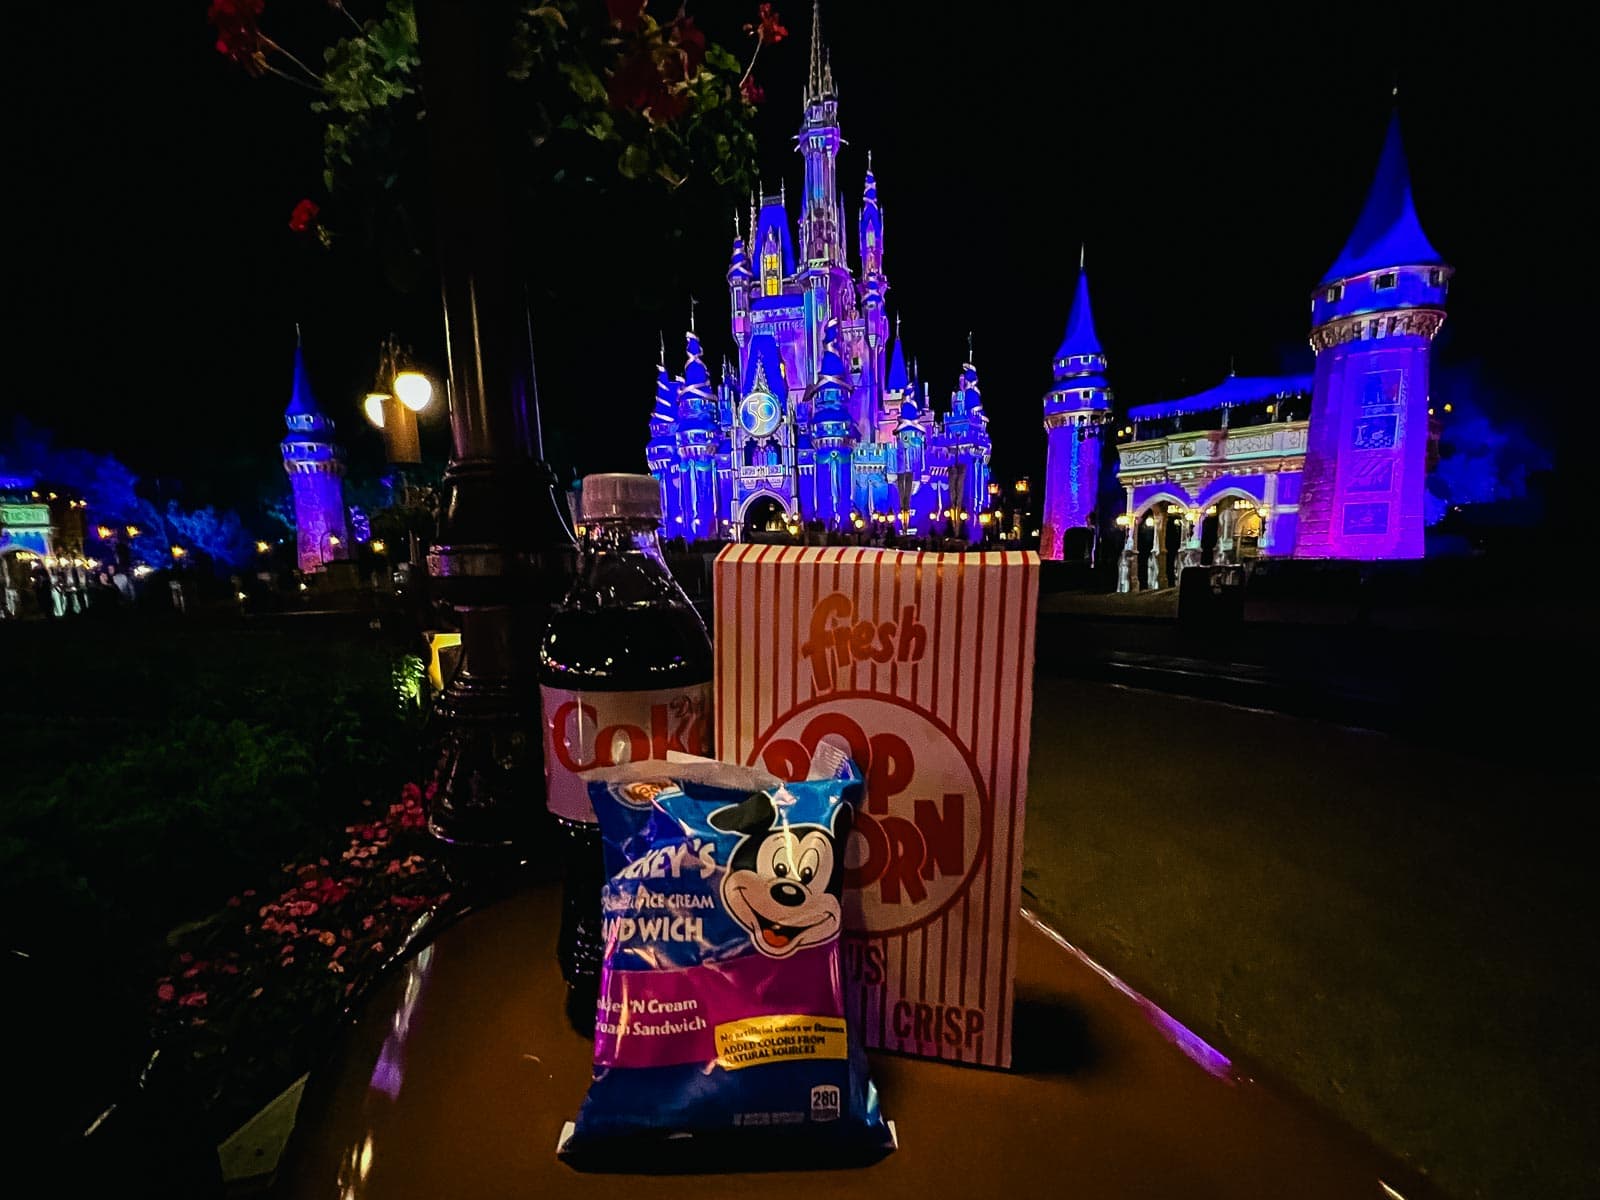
(585, 730)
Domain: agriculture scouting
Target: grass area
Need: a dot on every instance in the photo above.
(156, 769)
(1409, 938)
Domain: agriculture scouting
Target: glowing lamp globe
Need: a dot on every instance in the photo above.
(373, 407)
(414, 390)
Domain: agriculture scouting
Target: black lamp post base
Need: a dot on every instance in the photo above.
(490, 772)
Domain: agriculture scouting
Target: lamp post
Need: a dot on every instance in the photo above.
(502, 555)
(399, 392)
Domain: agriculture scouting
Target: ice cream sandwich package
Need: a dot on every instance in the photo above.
(722, 1014)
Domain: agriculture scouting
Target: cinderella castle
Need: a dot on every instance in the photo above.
(815, 418)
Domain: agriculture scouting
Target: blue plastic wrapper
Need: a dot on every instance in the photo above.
(723, 1016)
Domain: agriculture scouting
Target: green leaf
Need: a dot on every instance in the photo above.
(634, 161)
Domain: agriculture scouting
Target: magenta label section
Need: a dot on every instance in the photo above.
(661, 1018)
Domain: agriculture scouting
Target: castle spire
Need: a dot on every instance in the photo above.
(815, 89)
(301, 401)
(1388, 233)
(1080, 340)
(899, 381)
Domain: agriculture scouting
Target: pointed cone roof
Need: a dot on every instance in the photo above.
(1080, 338)
(666, 409)
(763, 370)
(301, 401)
(899, 381)
(969, 385)
(1388, 233)
(870, 194)
(739, 263)
(696, 379)
(833, 380)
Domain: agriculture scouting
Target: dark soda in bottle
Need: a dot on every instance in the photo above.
(624, 675)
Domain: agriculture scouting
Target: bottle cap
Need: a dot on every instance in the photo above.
(620, 497)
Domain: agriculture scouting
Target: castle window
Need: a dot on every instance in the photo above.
(1384, 282)
(1336, 292)
(1435, 277)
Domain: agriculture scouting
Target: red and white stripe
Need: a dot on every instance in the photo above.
(976, 679)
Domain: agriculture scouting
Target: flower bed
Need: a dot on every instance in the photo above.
(252, 994)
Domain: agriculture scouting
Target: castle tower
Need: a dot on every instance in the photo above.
(833, 434)
(825, 273)
(661, 450)
(875, 287)
(966, 433)
(1076, 409)
(315, 464)
(698, 439)
(1373, 318)
(741, 281)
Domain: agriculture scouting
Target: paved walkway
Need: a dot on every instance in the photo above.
(1408, 935)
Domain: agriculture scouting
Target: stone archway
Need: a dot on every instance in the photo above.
(764, 514)
(1160, 529)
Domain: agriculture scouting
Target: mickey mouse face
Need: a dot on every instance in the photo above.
(782, 884)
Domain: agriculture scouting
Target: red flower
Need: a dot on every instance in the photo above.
(165, 993)
(301, 219)
(692, 43)
(410, 793)
(233, 902)
(237, 23)
(192, 1000)
(752, 91)
(625, 14)
(769, 25)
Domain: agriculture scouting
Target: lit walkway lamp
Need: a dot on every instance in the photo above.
(399, 392)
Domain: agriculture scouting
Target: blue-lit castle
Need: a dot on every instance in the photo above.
(815, 417)
(1330, 464)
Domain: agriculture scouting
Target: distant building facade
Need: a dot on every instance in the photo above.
(1326, 465)
(815, 417)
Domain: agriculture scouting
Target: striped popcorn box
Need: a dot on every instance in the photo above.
(920, 666)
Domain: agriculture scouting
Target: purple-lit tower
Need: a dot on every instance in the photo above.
(315, 464)
(1076, 410)
(1374, 317)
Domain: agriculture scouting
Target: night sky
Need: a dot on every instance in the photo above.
(1213, 165)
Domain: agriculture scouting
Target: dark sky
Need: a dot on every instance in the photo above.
(1212, 164)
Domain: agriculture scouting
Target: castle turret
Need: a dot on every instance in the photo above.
(661, 449)
(315, 464)
(833, 432)
(966, 434)
(741, 281)
(698, 438)
(1374, 317)
(875, 289)
(1076, 409)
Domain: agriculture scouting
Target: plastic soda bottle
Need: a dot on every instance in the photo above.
(625, 674)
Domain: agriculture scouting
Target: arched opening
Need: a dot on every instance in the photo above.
(765, 518)
(1231, 530)
(1161, 529)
